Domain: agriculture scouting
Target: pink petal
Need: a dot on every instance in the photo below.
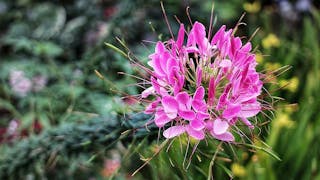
(247, 122)
(200, 34)
(209, 125)
(244, 73)
(250, 110)
(222, 101)
(163, 92)
(219, 35)
(155, 85)
(225, 48)
(161, 119)
(220, 126)
(197, 124)
(173, 131)
(147, 92)
(199, 135)
(157, 65)
(199, 94)
(202, 115)
(165, 57)
(235, 46)
(199, 76)
(236, 87)
(191, 41)
(171, 63)
(183, 98)
(188, 115)
(225, 63)
(151, 107)
(199, 105)
(211, 91)
(231, 111)
(192, 49)
(227, 136)
(176, 80)
(226, 38)
(160, 48)
(170, 106)
(246, 48)
(180, 38)
(173, 75)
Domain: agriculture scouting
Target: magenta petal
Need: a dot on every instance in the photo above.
(225, 63)
(197, 124)
(222, 101)
(192, 49)
(211, 91)
(183, 97)
(200, 34)
(199, 135)
(170, 106)
(173, 131)
(235, 46)
(147, 92)
(160, 48)
(199, 105)
(227, 136)
(225, 48)
(202, 115)
(155, 85)
(199, 94)
(188, 115)
(199, 76)
(180, 36)
(161, 119)
(250, 110)
(219, 35)
(151, 107)
(246, 48)
(191, 41)
(220, 126)
(247, 122)
(231, 111)
(209, 125)
(157, 65)
(171, 63)
(173, 75)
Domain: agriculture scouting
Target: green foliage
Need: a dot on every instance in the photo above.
(71, 149)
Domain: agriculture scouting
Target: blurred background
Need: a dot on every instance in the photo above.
(49, 51)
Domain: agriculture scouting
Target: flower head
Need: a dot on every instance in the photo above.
(203, 87)
(20, 84)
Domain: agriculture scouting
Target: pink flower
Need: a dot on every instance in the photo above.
(204, 86)
(39, 82)
(20, 84)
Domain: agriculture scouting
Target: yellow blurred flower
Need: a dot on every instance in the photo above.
(272, 66)
(291, 84)
(270, 41)
(238, 170)
(283, 121)
(259, 58)
(252, 7)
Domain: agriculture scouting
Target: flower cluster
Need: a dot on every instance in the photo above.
(204, 86)
(22, 85)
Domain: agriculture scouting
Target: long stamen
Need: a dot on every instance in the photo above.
(166, 19)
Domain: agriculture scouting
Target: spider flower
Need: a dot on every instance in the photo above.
(204, 86)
